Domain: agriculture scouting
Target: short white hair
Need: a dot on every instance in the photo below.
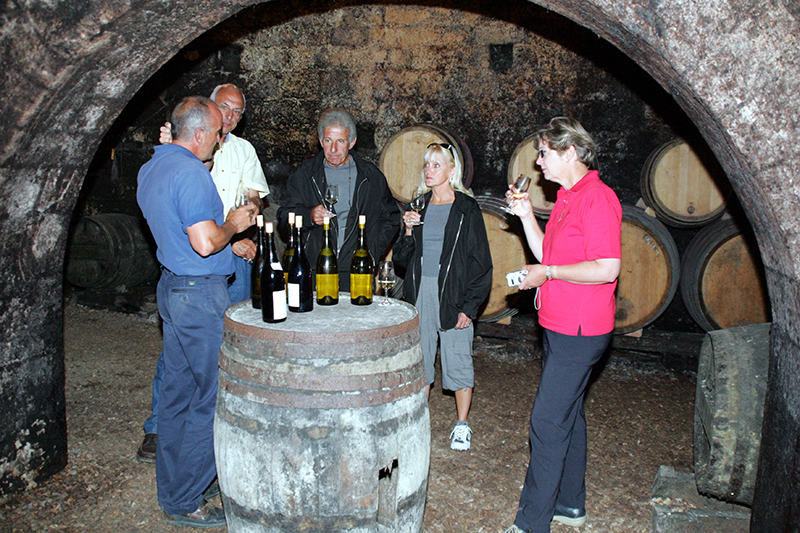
(228, 86)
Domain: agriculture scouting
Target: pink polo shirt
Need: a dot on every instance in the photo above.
(584, 225)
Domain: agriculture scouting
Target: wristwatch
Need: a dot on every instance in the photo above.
(547, 272)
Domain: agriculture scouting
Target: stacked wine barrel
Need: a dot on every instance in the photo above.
(508, 249)
(541, 192)
(108, 252)
(685, 187)
(722, 278)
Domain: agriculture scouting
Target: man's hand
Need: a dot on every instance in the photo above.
(245, 248)
(242, 217)
(165, 133)
(319, 213)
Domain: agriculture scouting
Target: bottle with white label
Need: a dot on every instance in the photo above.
(273, 290)
(301, 292)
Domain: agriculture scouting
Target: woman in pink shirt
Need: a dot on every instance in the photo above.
(579, 262)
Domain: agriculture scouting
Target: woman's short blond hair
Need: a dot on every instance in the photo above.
(563, 132)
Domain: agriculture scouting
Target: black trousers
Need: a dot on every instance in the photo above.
(557, 470)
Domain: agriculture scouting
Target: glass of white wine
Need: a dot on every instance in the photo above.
(386, 279)
(418, 202)
(242, 196)
(521, 184)
(331, 195)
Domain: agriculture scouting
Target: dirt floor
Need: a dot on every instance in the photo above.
(638, 419)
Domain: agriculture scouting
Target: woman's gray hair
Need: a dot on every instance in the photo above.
(337, 117)
(563, 132)
(448, 152)
(231, 86)
(191, 114)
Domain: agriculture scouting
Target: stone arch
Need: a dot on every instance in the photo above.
(71, 68)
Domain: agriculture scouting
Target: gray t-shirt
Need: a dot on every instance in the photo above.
(433, 237)
(345, 177)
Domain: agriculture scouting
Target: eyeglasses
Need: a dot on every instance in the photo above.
(446, 146)
(236, 111)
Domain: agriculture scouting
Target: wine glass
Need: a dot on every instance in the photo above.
(386, 279)
(242, 196)
(418, 202)
(331, 195)
(521, 184)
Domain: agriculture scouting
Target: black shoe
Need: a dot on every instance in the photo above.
(212, 491)
(204, 517)
(569, 516)
(147, 451)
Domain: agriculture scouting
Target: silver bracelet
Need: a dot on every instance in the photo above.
(547, 272)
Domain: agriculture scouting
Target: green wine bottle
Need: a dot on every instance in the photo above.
(288, 253)
(327, 269)
(258, 265)
(361, 269)
(301, 294)
(273, 290)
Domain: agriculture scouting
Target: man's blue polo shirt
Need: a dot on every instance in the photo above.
(176, 191)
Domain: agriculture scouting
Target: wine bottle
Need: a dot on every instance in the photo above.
(273, 290)
(361, 269)
(301, 293)
(327, 269)
(288, 253)
(258, 263)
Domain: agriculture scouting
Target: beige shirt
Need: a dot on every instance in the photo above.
(237, 161)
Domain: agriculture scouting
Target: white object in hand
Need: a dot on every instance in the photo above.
(515, 278)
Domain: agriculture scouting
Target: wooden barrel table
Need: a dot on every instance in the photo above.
(322, 421)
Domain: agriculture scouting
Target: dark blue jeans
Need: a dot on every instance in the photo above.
(192, 310)
(239, 291)
(556, 473)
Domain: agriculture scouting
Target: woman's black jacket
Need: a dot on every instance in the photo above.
(465, 267)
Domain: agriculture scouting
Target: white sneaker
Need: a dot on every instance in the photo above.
(513, 529)
(460, 437)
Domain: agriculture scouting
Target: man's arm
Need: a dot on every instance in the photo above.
(207, 238)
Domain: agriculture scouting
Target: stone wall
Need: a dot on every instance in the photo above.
(490, 74)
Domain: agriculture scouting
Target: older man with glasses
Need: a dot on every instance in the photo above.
(232, 164)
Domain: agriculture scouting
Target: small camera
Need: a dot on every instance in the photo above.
(515, 278)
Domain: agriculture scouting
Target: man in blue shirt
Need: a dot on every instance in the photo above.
(235, 163)
(183, 209)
